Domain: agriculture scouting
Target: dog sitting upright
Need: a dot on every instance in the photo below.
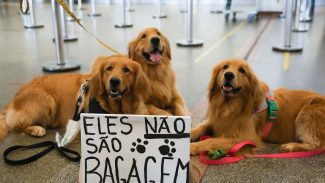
(234, 114)
(152, 51)
(49, 101)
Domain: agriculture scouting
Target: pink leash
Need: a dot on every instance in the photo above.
(231, 158)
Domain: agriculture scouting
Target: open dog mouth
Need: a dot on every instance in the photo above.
(115, 94)
(228, 89)
(154, 57)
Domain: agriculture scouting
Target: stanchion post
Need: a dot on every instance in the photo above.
(217, 7)
(288, 46)
(79, 7)
(189, 41)
(307, 8)
(93, 9)
(67, 36)
(123, 23)
(183, 6)
(61, 63)
(71, 9)
(299, 26)
(128, 6)
(160, 14)
(32, 24)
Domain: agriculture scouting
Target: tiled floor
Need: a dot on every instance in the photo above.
(24, 50)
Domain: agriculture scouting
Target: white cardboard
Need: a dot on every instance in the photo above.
(135, 148)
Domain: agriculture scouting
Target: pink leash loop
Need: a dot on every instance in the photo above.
(232, 159)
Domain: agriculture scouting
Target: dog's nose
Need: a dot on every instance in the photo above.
(115, 81)
(229, 76)
(155, 40)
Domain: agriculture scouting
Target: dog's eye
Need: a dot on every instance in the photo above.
(242, 70)
(158, 33)
(109, 68)
(225, 66)
(143, 36)
(126, 70)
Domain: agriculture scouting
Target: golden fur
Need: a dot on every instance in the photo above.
(300, 123)
(163, 95)
(49, 101)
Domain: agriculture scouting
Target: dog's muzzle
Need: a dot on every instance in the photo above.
(115, 92)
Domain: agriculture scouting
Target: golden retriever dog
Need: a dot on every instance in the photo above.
(151, 50)
(49, 101)
(235, 93)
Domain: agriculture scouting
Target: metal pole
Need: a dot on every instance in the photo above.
(299, 27)
(61, 64)
(254, 15)
(79, 7)
(306, 11)
(288, 46)
(32, 23)
(93, 9)
(159, 10)
(71, 5)
(183, 6)
(71, 9)
(216, 7)
(67, 36)
(123, 24)
(128, 6)
(189, 41)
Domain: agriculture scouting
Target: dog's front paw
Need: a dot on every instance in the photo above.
(194, 148)
(36, 131)
(292, 147)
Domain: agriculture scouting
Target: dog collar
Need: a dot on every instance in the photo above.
(269, 104)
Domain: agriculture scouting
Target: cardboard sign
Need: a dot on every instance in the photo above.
(135, 148)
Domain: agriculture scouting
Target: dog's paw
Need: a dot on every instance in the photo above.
(194, 149)
(36, 131)
(290, 147)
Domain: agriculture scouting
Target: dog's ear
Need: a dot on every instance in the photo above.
(96, 83)
(167, 47)
(96, 66)
(258, 89)
(141, 82)
(131, 49)
(213, 85)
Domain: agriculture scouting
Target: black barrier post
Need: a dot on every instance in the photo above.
(61, 64)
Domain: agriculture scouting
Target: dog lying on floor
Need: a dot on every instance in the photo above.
(235, 94)
(151, 50)
(49, 101)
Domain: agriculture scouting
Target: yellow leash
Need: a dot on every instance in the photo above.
(75, 19)
(21, 7)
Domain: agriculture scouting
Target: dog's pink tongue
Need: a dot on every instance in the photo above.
(155, 57)
(227, 88)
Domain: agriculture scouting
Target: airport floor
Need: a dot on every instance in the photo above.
(22, 51)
